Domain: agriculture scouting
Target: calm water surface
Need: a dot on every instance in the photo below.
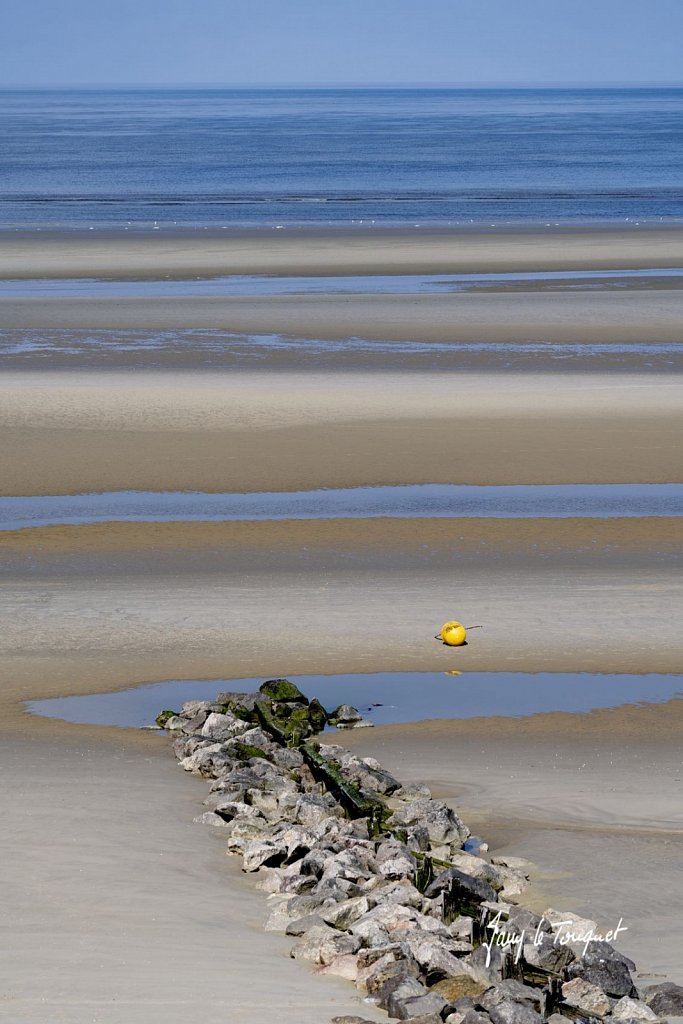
(405, 501)
(387, 697)
(81, 158)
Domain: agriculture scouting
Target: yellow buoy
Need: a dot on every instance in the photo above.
(454, 634)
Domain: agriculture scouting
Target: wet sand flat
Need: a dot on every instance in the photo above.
(592, 800)
(77, 431)
(82, 631)
(534, 315)
(120, 910)
(337, 544)
(317, 252)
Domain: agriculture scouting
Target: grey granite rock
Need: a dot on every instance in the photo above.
(322, 944)
(476, 1017)
(396, 990)
(222, 727)
(241, 831)
(604, 966)
(633, 1009)
(209, 818)
(300, 925)
(485, 965)
(521, 920)
(442, 823)
(290, 908)
(427, 1005)
(399, 891)
(508, 1011)
(345, 913)
(256, 737)
(477, 867)
(394, 860)
(230, 809)
(385, 969)
(260, 852)
(350, 1020)
(193, 725)
(475, 888)
(208, 761)
(509, 991)
(174, 723)
(586, 996)
(285, 757)
(547, 955)
(433, 956)
(352, 865)
(426, 1018)
(311, 809)
(345, 714)
(666, 999)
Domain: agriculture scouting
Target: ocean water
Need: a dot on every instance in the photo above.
(220, 157)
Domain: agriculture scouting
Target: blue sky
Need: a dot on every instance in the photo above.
(354, 42)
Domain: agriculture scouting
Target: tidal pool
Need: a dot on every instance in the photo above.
(386, 697)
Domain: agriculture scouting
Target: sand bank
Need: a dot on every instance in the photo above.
(320, 545)
(319, 252)
(69, 432)
(540, 316)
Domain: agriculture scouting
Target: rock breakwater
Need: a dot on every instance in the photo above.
(380, 884)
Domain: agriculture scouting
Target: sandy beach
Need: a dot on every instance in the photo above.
(112, 890)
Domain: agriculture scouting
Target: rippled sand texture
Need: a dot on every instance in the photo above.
(99, 607)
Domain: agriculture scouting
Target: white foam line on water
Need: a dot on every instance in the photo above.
(407, 501)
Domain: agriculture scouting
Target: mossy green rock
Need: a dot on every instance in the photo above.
(300, 716)
(163, 717)
(239, 711)
(317, 715)
(282, 690)
(245, 751)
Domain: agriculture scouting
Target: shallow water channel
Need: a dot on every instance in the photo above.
(366, 284)
(408, 501)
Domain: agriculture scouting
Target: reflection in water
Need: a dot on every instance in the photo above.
(388, 697)
(407, 501)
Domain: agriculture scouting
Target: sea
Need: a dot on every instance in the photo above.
(221, 158)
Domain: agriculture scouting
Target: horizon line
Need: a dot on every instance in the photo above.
(303, 86)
